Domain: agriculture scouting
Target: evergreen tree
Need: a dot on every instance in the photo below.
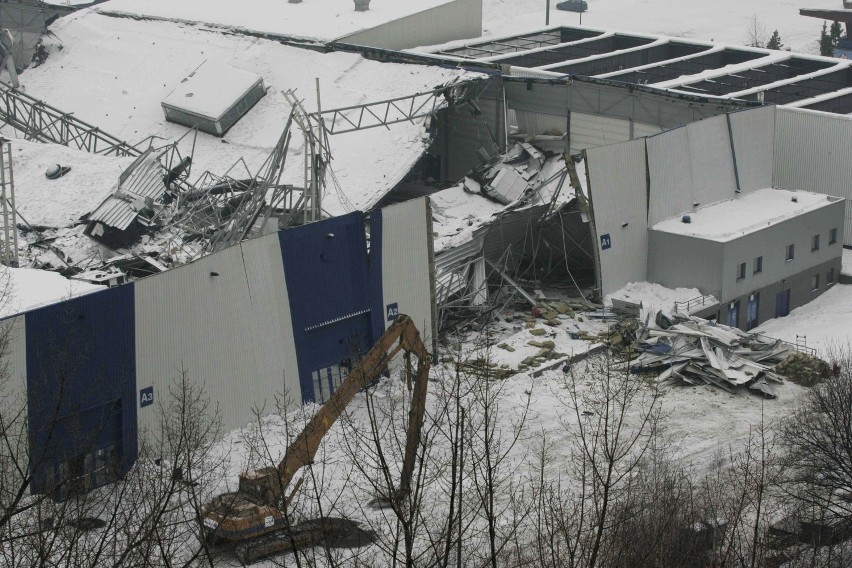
(835, 32)
(775, 41)
(826, 46)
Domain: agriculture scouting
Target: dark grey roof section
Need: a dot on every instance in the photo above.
(677, 65)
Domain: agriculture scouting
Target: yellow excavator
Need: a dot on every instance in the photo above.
(253, 517)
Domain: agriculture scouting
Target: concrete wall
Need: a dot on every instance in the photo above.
(771, 243)
(799, 285)
(681, 261)
(459, 19)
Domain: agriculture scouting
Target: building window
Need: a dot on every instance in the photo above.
(815, 282)
(790, 252)
(829, 277)
(758, 265)
(741, 271)
(832, 236)
(815, 243)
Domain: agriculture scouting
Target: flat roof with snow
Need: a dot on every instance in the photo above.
(680, 65)
(212, 89)
(315, 19)
(728, 220)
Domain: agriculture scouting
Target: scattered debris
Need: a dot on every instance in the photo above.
(804, 369)
(698, 352)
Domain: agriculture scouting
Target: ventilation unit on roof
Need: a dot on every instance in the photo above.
(686, 219)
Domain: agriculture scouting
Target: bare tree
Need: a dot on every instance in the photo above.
(756, 34)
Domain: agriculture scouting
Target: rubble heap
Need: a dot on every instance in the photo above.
(698, 352)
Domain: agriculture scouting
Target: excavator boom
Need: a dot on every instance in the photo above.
(256, 508)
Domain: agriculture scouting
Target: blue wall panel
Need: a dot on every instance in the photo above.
(81, 384)
(328, 283)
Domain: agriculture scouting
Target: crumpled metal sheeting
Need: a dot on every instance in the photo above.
(697, 352)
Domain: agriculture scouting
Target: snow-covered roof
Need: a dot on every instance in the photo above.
(114, 73)
(25, 289)
(728, 220)
(61, 202)
(211, 89)
(315, 19)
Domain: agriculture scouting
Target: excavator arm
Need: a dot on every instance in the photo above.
(402, 335)
(257, 509)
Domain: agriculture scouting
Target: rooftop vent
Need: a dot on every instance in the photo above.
(686, 219)
(362, 5)
(795, 199)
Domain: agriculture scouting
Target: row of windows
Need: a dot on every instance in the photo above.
(829, 279)
(790, 252)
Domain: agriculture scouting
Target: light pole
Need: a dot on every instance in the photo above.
(547, 14)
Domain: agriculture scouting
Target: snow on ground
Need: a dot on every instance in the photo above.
(724, 21)
(61, 202)
(114, 72)
(325, 20)
(653, 297)
(26, 289)
(825, 321)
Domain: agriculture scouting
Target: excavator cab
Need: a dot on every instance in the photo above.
(261, 484)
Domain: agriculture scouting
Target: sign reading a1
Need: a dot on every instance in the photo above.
(606, 242)
(146, 397)
(393, 311)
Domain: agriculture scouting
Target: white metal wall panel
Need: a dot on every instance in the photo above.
(669, 170)
(590, 130)
(711, 160)
(459, 19)
(406, 261)
(812, 152)
(200, 317)
(270, 317)
(619, 205)
(753, 134)
(641, 129)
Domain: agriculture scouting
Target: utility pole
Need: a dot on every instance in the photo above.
(547, 14)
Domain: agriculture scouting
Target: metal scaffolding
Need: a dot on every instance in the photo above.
(9, 252)
(39, 121)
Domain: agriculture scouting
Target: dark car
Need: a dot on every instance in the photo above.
(573, 6)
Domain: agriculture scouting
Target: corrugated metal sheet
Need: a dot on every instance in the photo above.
(812, 152)
(619, 208)
(452, 266)
(270, 317)
(142, 180)
(641, 129)
(590, 130)
(669, 170)
(751, 131)
(406, 259)
(189, 318)
(541, 123)
(712, 161)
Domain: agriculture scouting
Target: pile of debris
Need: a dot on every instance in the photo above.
(698, 352)
(522, 176)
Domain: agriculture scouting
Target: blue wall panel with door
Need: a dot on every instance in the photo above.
(81, 384)
(328, 283)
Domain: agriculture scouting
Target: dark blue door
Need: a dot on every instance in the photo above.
(734, 313)
(753, 310)
(782, 303)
